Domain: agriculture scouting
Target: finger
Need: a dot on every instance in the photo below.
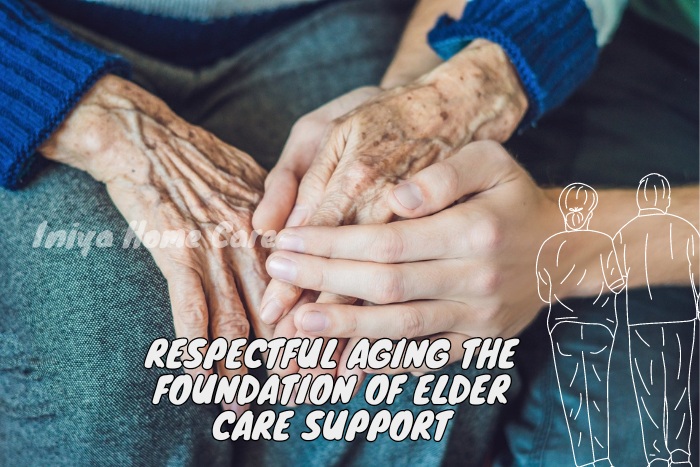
(385, 283)
(311, 190)
(398, 242)
(280, 296)
(252, 285)
(355, 193)
(278, 300)
(189, 308)
(339, 343)
(280, 191)
(286, 329)
(227, 316)
(477, 167)
(396, 321)
(454, 354)
(282, 183)
(330, 143)
(318, 370)
(227, 319)
(345, 372)
(468, 230)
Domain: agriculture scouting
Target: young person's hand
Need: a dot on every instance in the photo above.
(360, 156)
(454, 271)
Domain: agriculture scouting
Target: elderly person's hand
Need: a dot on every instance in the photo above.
(160, 169)
(363, 154)
(461, 272)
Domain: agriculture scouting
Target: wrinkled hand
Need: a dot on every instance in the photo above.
(303, 144)
(176, 177)
(366, 152)
(461, 272)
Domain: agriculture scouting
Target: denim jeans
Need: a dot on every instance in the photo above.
(637, 114)
(75, 330)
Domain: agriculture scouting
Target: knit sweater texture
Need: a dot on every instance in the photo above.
(44, 70)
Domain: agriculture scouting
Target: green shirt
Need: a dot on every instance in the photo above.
(679, 15)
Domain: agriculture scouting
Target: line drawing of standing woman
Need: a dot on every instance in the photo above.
(581, 342)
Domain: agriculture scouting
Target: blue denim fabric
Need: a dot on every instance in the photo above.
(638, 114)
(74, 330)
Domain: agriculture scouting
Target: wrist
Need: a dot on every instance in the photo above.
(482, 76)
(92, 135)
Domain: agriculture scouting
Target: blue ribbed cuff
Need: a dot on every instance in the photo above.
(551, 43)
(44, 71)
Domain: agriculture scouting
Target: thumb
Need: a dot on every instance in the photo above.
(477, 167)
(282, 182)
(277, 202)
(314, 183)
(304, 142)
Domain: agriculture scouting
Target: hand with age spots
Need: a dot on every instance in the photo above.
(452, 271)
(341, 161)
(175, 176)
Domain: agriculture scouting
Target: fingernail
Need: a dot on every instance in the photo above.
(282, 269)
(290, 242)
(408, 195)
(314, 321)
(271, 311)
(297, 217)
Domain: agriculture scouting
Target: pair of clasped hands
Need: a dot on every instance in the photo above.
(399, 215)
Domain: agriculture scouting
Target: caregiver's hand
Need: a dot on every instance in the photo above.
(175, 176)
(390, 137)
(465, 271)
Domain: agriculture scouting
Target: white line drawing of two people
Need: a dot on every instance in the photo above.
(660, 348)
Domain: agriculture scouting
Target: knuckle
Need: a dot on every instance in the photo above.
(358, 177)
(389, 286)
(193, 316)
(490, 147)
(488, 234)
(489, 281)
(234, 325)
(312, 184)
(323, 280)
(327, 215)
(412, 323)
(349, 323)
(490, 311)
(303, 125)
(450, 179)
(388, 246)
(335, 246)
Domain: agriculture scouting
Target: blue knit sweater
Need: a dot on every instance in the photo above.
(44, 70)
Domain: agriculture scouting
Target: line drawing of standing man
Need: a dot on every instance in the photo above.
(661, 346)
(581, 342)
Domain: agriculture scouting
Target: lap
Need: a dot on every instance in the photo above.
(76, 328)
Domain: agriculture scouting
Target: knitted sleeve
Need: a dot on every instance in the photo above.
(551, 43)
(43, 73)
